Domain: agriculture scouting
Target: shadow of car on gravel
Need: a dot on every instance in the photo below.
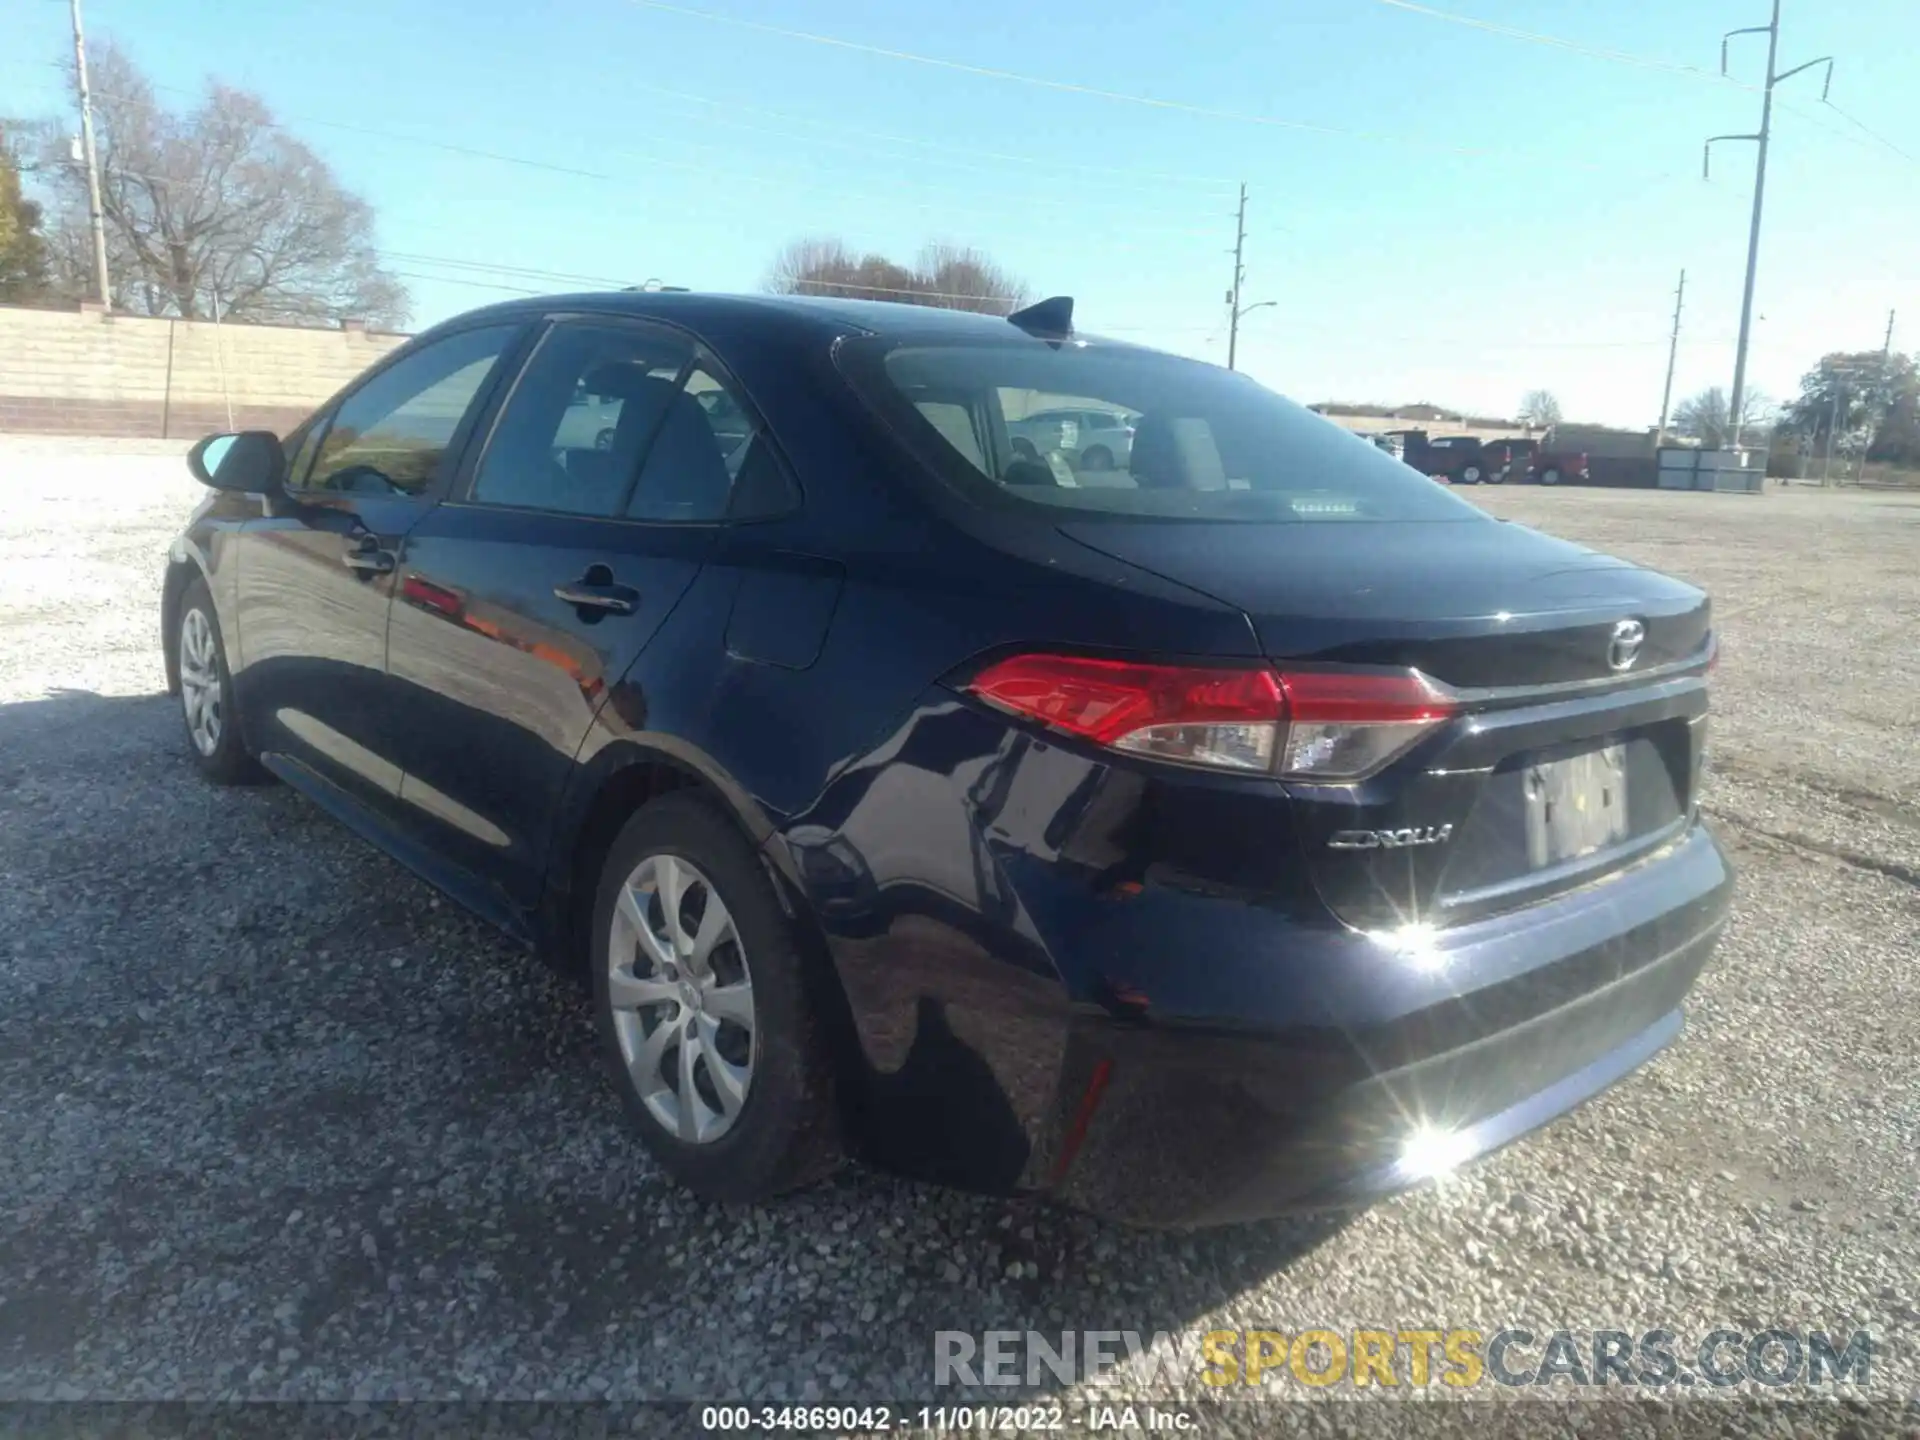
(411, 1142)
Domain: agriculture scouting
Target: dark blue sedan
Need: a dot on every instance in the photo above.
(1243, 826)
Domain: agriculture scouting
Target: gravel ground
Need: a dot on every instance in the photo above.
(278, 1123)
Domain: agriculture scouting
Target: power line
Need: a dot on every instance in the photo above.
(529, 273)
(406, 139)
(1128, 171)
(524, 272)
(1871, 133)
(792, 181)
(1532, 37)
(476, 284)
(1131, 172)
(1453, 346)
(1643, 62)
(1026, 206)
(925, 203)
(902, 290)
(1064, 86)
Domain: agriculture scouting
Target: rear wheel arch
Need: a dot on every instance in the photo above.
(644, 775)
(639, 776)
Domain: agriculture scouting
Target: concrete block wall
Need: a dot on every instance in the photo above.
(87, 372)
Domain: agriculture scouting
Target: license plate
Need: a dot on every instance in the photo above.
(1576, 806)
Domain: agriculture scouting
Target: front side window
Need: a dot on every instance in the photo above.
(1189, 441)
(390, 436)
(300, 454)
(588, 407)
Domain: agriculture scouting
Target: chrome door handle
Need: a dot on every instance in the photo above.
(613, 599)
(368, 562)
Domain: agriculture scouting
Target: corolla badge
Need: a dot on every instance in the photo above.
(1389, 839)
(1624, 647)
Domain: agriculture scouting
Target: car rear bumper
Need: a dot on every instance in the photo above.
(1456, 1045)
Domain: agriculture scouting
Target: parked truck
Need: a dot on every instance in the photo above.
(1532, 460)
(1457, 459)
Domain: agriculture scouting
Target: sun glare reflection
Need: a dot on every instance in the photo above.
(1416, 942)
(1431, 1152)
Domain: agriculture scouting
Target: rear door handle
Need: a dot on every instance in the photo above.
(367, 558)
(588, 595)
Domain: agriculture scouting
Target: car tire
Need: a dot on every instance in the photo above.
(1550, 475)
(1098, 457)
(206, 693)
(1470, 474)
(761, 1118)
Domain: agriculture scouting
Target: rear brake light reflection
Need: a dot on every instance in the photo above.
(1333, 727)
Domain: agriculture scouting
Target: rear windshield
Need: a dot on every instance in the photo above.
(1130, 433)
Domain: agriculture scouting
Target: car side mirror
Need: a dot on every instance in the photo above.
(251, 461)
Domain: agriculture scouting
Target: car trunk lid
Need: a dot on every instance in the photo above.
(1579, 677)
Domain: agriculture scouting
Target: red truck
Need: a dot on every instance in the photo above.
(1527, 460)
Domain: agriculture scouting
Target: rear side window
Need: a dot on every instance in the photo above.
(586, 409)
(710, 459)
(634, 422)
(1026, 425)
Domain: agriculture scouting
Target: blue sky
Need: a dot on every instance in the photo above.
(1476, 215)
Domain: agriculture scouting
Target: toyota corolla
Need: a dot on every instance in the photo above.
(1250, 825)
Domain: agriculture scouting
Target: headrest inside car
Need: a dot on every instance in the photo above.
(622, 382)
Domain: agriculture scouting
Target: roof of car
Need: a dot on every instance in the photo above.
(825, 315)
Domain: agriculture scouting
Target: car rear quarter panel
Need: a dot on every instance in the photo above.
(872, 789)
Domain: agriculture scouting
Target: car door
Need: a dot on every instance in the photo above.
(532, 589)
(316, 574)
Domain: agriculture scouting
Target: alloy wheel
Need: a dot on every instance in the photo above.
(200, 680)
(682, 999)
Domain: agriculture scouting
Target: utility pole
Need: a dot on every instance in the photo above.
(95, 215)
(1736, 407)
(1833, 424)
(1886, 360)
(1673, 353)
(1237, 311)
(1239, 276)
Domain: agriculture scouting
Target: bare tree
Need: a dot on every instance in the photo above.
(1760, 414)
(959, 277)
(947, 276)
(812, 266)
(215, 206)
(1703, 417)
(1540, 409)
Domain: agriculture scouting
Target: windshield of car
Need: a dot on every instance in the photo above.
(1014, 425)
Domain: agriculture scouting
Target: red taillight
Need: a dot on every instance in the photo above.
(1330, 726)
(1346, 725)
(1201, 716)
(1364, 697)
